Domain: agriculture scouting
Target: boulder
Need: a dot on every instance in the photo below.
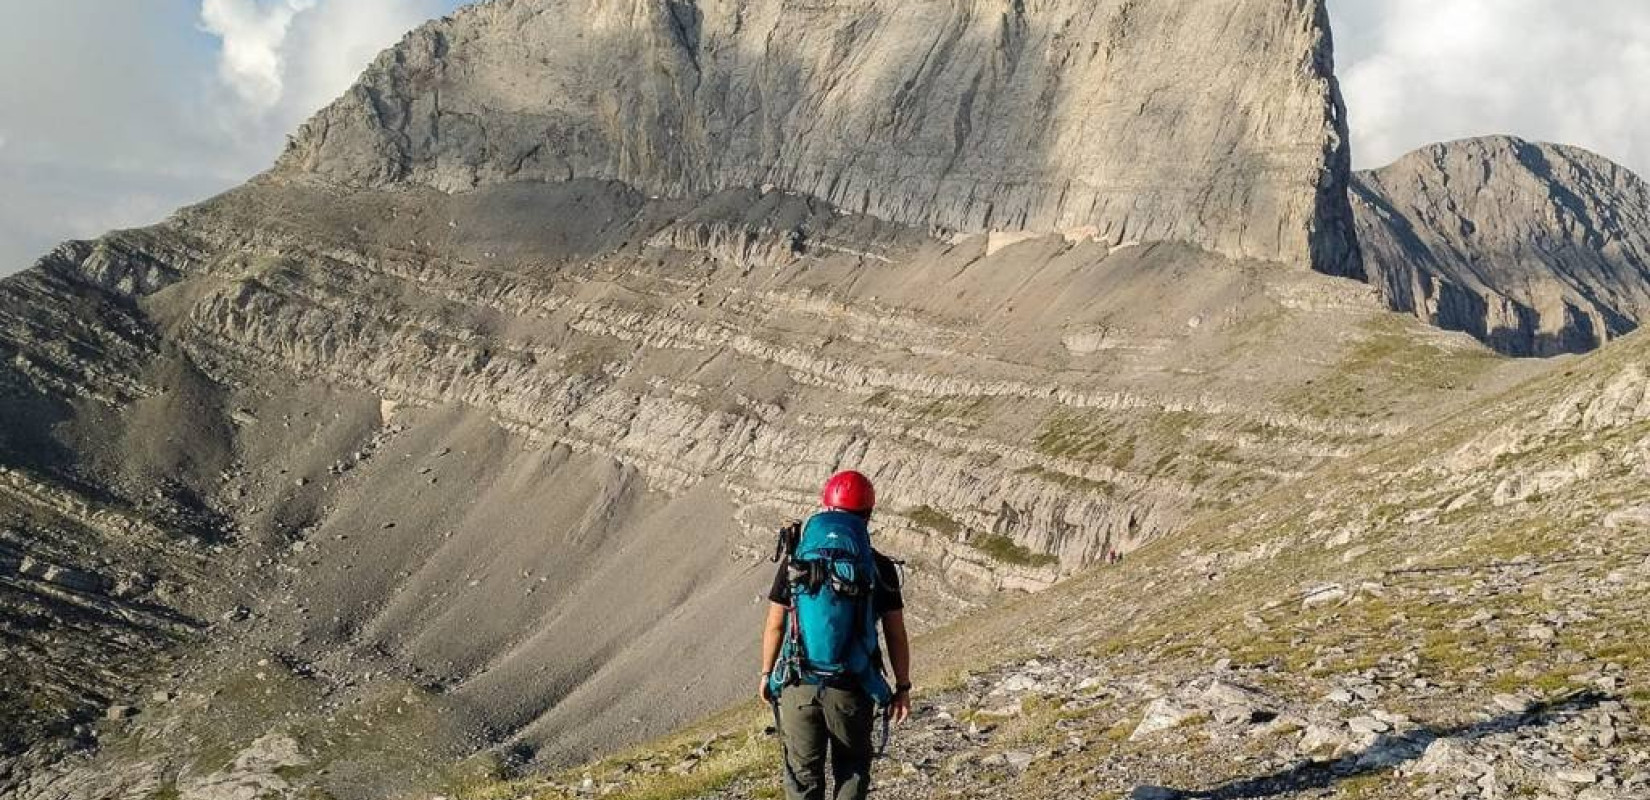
(1161, 715)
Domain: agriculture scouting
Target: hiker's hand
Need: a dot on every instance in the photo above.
(765, 692)
(900, 710)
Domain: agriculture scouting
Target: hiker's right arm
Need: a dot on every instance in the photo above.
(899, 656)
(772, 632)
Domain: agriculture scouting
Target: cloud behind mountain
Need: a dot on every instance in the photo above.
(113, 114)
(1422, 71)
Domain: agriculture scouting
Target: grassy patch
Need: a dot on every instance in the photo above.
(702, 760)
(1111, 442)
(1073, 482)
(168, 791)
(1006, 550)
(934, 520)
(1361, 787)
(1389, 360)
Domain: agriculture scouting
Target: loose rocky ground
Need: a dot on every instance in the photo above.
(1480, 697)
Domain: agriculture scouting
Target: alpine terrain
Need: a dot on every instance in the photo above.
(444, 459)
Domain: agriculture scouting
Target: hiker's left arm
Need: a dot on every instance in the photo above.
(899, 656)
(772, 632)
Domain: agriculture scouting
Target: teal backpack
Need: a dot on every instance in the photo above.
(831, 627)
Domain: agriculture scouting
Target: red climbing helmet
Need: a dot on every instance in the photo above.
(848, 491)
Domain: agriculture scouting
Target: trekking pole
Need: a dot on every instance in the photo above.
(785, 542)
(882, 749)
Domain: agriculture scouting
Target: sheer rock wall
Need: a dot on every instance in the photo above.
(1216, 124)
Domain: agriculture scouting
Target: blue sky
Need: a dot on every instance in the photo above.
(115, 112)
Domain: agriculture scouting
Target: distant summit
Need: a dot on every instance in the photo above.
(1537, 249)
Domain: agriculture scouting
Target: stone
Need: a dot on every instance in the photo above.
(76, 579)
(1018, 760)
(1367, 725)
(1512, 703)
(1629, 517)
(1389, 751)
(1162, 714)
(852, 312)
(1324, 595)
(1323, 743)
(116, 713)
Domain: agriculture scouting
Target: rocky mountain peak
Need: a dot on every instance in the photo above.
(1215, 124)
(1535, 248)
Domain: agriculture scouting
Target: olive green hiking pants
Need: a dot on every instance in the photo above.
(814, 720)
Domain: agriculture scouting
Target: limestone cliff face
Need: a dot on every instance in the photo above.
(1537, 249)
(1217, 124)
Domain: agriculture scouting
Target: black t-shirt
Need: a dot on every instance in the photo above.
(886, 599)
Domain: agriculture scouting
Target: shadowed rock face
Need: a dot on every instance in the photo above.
(1536, 249)
(1216, 124)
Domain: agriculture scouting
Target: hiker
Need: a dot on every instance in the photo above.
(822, 668)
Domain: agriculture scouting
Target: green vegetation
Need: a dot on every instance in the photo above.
(1066, 434)
(682, 767)
(167, 791)
(1073, 482)
(1006, 550)
(1391, 361)
(1360, 787)
(934, 520)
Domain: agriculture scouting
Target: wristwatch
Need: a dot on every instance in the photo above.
(902, 687)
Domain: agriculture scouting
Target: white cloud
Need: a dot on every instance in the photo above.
(200, 98)
(1421, 71)
(332, 45)
(294, 56)
(254, 37)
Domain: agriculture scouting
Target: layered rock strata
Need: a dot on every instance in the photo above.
(384, 411)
